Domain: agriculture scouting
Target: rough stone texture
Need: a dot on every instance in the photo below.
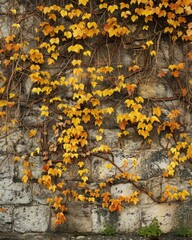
(79, 219)
(164, 213)
(14, 193)
(6, 218)
(129, 220)
(23, 207)
(31, 219)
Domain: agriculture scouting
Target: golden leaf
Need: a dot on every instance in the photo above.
(32, 133)
(25, 179)
(84, 178)
(134, 18)
(83, 2)
(75, 48)
(109, 166)
(112, 8)
(157, 111)
(54, 40)
(81, 164)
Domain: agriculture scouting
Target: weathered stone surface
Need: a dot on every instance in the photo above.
(78, 219)
(123, 189)
(14, 193)
(184, 214)
(153, 163)
(153, 89)
(129, 220)
(6, 218)
(7, 166)
(40, 194)
(31, 219)
(100, 217)
(165, 214)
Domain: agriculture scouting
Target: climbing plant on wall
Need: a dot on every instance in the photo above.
(78, 78)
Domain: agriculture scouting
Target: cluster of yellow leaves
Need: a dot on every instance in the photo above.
(179, 154)
(172, 193)
(89, 87)
(172, 124)
(135, 115)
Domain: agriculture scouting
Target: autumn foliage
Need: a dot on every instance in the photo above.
(77, 89)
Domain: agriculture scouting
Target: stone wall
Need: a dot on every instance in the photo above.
(24, 207)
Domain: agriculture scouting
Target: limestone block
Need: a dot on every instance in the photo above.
(163, 54)
(152, 89)
(100, 217)
(9, 143)
(184, 214)
(123, 189)
(7, 166)
(131, 144)
(99, 165)
(78, 219)
(128, 220)
(6, 218)
(153, 163)
(99, 169)
(14, 193)
(31, 219)
(40, 194)
(165, 214)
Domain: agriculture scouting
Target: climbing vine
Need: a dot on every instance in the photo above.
(82, 65)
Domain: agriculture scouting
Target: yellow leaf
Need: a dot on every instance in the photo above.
(35, 67)
(134, 18)
(102, 185)
(98, 138)
(50, 61)
(81, 164)
(157, 111)
(86, 118)
(54, 40)
(112, 8)
(63, 13)
(133, 68)
(68, 34)
(76, 62)
(11, 95)
(32, 133)
(83, 2)
(13, 11)
(145, 28)
(84, 178)
(16, 25)
(109, 110)
(81, 198)
(52, 16)
(75, 48)
(153, 53)
(37, 150)
(149, 43)
(103, 5)
(109, 166)
(24, 179)
(17, 158)
(86, 16)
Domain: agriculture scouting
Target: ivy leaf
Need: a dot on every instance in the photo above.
(25, 179)
(75, 48)
(33, 133)
(83, 2)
